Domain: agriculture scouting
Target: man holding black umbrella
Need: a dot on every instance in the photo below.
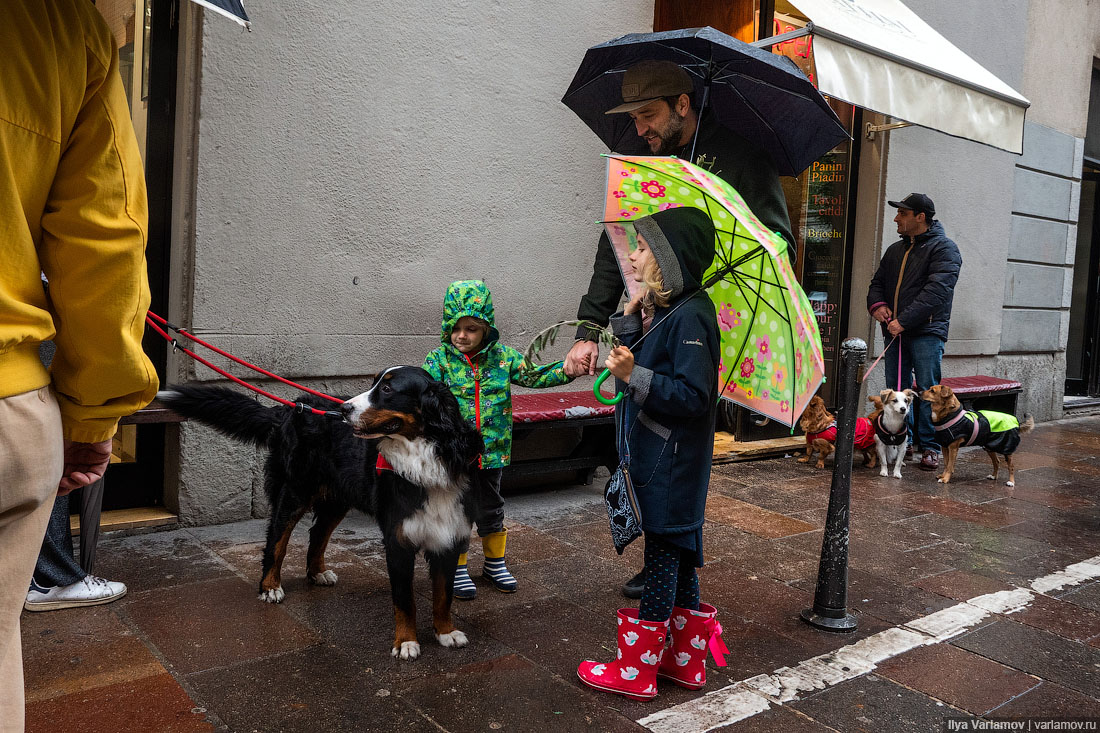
(658, 97)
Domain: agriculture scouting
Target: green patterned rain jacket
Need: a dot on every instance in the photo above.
(482, 382)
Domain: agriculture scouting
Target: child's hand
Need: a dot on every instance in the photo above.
(635, 304)
(621, 363)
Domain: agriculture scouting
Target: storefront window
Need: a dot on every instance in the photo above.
(818, 201)
(130, 20)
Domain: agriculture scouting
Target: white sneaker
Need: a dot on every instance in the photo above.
(90, 591)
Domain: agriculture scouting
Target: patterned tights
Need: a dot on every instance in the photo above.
(670, 579)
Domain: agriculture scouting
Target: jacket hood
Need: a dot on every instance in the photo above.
(683, 243)
(468, 298)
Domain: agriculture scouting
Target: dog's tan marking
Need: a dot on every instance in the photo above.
(372, 420)
(319, 535)
(273, 578)
(441, 605)
(404, 626)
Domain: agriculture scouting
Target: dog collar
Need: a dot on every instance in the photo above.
(382, 464)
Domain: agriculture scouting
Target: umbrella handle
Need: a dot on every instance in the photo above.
(599, 395)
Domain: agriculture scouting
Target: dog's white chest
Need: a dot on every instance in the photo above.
(441, 521)
(437, 525)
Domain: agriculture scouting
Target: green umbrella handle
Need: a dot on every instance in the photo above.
(599, 395)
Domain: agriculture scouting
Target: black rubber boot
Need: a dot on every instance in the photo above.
(633, 588)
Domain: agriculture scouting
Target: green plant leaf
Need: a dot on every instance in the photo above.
(545, 338)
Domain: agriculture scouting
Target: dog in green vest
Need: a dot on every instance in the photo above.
(996, 432)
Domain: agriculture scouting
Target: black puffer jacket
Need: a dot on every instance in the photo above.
(931, 269)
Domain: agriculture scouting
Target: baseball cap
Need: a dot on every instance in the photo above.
(648, 80)
(917, 203)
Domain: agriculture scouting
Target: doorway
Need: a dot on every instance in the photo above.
(1082, 362)
(146, 32)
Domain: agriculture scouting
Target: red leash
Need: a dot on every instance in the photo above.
(152, 319)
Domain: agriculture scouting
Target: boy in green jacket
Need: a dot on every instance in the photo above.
(480, 372)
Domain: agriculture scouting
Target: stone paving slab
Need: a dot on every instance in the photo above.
(191, 648)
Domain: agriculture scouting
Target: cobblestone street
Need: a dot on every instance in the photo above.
(191, 649)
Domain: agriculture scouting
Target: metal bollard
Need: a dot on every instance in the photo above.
(831, 596)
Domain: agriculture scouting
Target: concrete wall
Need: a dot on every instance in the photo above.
(348, 161)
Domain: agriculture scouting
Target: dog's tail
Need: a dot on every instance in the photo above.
(231, 413)
(1027, 424)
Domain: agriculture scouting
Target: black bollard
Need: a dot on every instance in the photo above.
(831, 597)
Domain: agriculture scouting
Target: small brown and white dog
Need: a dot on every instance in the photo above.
(995, 432)
(820, 427)
(892, 429)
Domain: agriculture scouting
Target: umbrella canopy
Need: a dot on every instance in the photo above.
(759, 95)
(771, 356)
(232, 9)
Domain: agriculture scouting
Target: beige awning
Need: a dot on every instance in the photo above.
(879, 55)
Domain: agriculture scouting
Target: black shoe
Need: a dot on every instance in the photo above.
(633, 588)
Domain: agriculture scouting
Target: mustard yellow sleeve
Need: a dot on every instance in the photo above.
(93, 253)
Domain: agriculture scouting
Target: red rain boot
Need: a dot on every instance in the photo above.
(634, 672)
(685, 661)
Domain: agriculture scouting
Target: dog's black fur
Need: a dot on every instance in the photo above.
(320, 464)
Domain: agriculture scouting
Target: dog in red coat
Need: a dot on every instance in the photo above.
(820, 427)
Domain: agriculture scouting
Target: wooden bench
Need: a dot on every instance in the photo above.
(985, 393)
(561, 431)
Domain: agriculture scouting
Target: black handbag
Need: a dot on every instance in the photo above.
(624, 515)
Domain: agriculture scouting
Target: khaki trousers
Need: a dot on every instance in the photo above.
(31, 461)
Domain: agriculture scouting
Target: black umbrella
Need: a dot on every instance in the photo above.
(229, 8)
(761, 96)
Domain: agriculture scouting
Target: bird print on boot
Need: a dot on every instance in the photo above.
(640, 649)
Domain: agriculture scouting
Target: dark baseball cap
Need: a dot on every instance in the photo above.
(917, 203)
(646, 81)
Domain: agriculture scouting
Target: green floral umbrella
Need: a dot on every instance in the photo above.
(771, 358)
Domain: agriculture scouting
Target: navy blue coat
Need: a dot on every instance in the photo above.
(927, 283)
(669, 409)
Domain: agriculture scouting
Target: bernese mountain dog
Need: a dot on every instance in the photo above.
(402, 454)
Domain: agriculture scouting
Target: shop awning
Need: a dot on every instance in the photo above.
(879, 55)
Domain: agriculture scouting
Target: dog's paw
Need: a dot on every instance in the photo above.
(897, 474)
(821, 464)
(1010, 483)
(275, 595)
(804, 459)
(456, 639)
(884, 473)
(991, 477)
(407, 650)
(326, 578)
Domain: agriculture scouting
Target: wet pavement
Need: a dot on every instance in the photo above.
(964, 601)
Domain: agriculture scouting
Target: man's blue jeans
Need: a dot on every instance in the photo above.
(920, 363)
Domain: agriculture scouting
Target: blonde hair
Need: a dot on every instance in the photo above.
(656, 294)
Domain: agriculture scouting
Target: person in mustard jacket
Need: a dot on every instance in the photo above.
(480, 372)
(72, 206)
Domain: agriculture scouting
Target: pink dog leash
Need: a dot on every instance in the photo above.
(876, 361)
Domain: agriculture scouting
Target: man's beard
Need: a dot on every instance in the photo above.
(670, 136)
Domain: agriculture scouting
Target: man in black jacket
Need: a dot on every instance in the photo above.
(657, 96)
(910, 295)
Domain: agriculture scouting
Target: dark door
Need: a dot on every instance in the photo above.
(1082, 362)
(146, 32)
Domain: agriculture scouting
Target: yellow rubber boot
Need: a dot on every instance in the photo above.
(465, 589)
(495, 569)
